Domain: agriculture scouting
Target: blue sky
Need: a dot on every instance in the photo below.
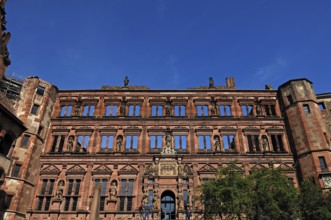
(171, 44)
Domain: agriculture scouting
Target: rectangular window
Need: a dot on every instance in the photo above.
(277, 142)
(40, 90)
(72, 195)
(103, 194)
(45, 195)
(323, 165)
(306, 109)
(180, 142)
(321, 105)
(156, 141)
(66, 110)
(111, 110)
(106, 143)
(270, 110)
(16, 170)
(25, 141)
(204, 143)
(290, 99)
(228, 142)
(58, 142)
(225, 110)
(83, 141)
(131, 142)
(179, 110)
(126, 195)
(202, 110)
(34, 110)
(88, 110)
(134, 110)
(253, 143)
(247, 110)
(157, 110)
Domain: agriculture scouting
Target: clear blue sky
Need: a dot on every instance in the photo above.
(171, 44)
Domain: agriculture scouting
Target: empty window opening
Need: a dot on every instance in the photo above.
(202, 110)
(179, 110)
(225, 110)
(134, 110)
(157, 110)
(111, 110)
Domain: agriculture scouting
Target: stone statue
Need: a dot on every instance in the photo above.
(152, 170)
(123, 106)
(213, 107)
(155, 199)
(180, 199)
(168, 107)
(258, 108)
(211, 83)
(78, 105)
(145, 197)
(217, 143)
(187, 170)
(189, 199)
(269, 87)
(181, 169)
(126, 81)
(265, 143)
(168, 139)
(70, 144)
(168, 149)
(59, 191)
(119, 142)
(113, 191)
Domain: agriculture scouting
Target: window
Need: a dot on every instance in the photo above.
(323, 165)
(126, 195)
(107, 142)
(157, 110)
(25, 141)
(253, 143)
(40, 130)
(204, 143)
(202, 110)
(179, 110)
(71, 198)
(34, 109)
(45, 194)
(290, 99)
(228, 142)
(134, 110)
(111, 110)
(131, 142)
(83, 141)
(9, 199)
(185, 194)
(180, 142)
(103, 184)
(156, 141)
(247, 110)
(88, 110)
(306, 108)
(321, 106)
(40, 90)
(16, 170)
(270, 110)
(277, 142)
(66, 110)
(225, 110)
(58, 142)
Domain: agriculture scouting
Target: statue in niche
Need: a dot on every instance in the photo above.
(59, 191)
(78, 105)
(113, 191)
(155, 199)
(126, 81)
(168, 139)
(265, 143)
(123, 106)
(213, 107)
(258, 108)
(168, 107)
(70, 144)
(144, 200)
(180, 199)
(211, 83)
(217, 143)
(181, 171)
(168, 149)
(119, 142)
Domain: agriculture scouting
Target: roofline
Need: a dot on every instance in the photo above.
(292, 80)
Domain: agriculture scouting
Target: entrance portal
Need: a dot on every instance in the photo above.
(168, 205)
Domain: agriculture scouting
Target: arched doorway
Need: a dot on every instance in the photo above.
(168, 205)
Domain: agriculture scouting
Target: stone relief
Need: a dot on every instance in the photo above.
(113, 191)
(168, 169)
(326, 181)
(168, 149)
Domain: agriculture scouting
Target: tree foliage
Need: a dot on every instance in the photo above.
(265, 194)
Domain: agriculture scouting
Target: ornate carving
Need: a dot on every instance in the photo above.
(152, 170)
(78, 105)
(168, 149)
(217, 143)
(59, 191)
(113, 190)
(326, 181)
(51, 169)
(155, 199)
(76, 169)
(119, 142)
(102, 169)
(128, 169)
(70, 144)
(168, 169)
(180, 199)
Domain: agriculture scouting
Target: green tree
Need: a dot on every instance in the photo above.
(314, 204)
(274, 195)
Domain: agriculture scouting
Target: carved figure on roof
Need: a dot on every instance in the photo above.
(211, 83)
(126, 81)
